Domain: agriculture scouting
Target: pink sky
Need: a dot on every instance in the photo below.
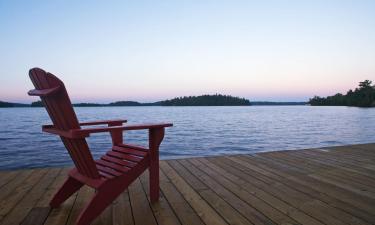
(155, 51)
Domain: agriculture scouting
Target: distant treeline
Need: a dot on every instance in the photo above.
(119, 103)
(10, 104)
(206, 100)
(182, 101)
(203, 100)
(362, 96)
(277, 103)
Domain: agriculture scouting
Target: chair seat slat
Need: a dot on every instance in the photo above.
(112, 166)
(124, 156)
(129, 151)
(108, 170)
(106, 175)
(118, 161)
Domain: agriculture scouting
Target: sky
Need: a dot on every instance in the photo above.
(148, 51)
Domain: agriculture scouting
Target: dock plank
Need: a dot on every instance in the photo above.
(231, 215)
(272, 200)
(7, 176)
(331, 185)
(162, 210)
(336, 196)
(122, 211)
(13, 199)
(353, 169)
(293, 179)
(52, 188)
(142, 212)
(60, 215)
(81, 200)
(36, 216)
(241, 205)
(184, 212)
(338, 167)
(17, 215)
(322, 174)
(207, 214)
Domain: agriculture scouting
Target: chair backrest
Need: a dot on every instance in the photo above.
(57, 103)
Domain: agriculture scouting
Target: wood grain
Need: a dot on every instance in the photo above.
(309, 187)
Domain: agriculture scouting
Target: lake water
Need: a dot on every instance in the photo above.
(197, 131)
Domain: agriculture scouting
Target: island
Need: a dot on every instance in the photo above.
(207, 100)
(10, 104)
(362, 96)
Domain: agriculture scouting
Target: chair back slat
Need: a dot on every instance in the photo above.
(61, 112)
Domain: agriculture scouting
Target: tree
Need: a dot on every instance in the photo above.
(363, 96)
(37, 104)
(365, 84)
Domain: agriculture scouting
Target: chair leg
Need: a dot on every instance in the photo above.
(155, 138)
(70, 186)
(98, 203)
(154, 181)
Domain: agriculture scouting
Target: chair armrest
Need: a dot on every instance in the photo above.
(87, 131)
(64, 133)
(99, 122)
(82, 133)
(44, 92)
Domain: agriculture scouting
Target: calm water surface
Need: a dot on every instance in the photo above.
(197, 131)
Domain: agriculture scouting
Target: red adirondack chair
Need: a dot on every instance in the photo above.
(113, 172)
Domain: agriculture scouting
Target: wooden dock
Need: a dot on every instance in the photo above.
(330, 186)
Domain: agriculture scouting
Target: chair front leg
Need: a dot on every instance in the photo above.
(100, 201)
(156, 136)
(70, 186)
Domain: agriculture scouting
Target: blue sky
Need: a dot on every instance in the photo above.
(153, 50)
